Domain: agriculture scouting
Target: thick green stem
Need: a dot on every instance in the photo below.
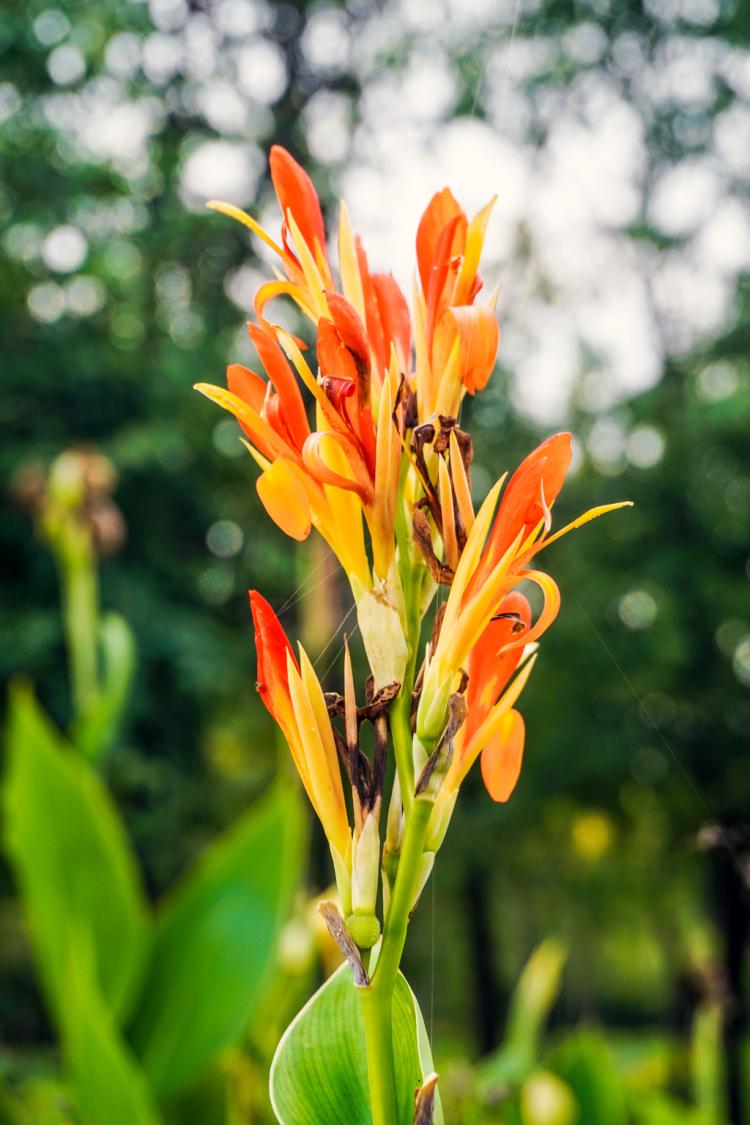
(377, 999)
(404, 893)
(377, 1007)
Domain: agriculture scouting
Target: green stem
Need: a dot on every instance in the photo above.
(401, 735)
(377, 1014)
(401, 707)
(377, 999)
(404, 893)
(80, 599)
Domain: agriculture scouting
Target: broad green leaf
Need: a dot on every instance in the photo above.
(71, 858)
(96, 729)
(319, 1072)
(108, 1085)
(215, 942)
(585, 1062)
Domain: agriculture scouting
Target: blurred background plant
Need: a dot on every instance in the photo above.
(618, 138)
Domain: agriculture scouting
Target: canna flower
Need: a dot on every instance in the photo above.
(492, 730)
(295, 491)
(336, 475)
(292, 694)
(493, 561)
(309, 281)
(455, 339)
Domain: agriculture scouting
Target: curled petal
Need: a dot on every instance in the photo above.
(502, 757)
(478, 334)
(272, 289)
(332, 459)
(550, 609)
(283, 494)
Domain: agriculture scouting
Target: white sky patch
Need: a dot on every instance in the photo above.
(220, 170)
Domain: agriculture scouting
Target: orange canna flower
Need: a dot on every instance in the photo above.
(455, 340)
(494, 560)
(375, 297)
(487, 730)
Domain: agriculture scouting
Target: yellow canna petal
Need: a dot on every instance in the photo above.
(315, 283)
(283, 494)
(387, 462)
(257, 426)
(422, 370)
(450, 542)
(241, 216)
(320, 711)
(326, 794)
(351, 279)
(586, 517)
(475, 233)
(291, 733)
(470, 556)
(478, 610)
(461, 485)
(281, 288)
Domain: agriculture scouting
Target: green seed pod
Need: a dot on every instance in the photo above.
(364, 928)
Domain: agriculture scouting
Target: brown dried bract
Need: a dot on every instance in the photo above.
(337, 929)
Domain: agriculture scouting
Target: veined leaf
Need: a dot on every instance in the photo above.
(107, 1082)
(215, 942)
(319, 1072)
(71, 858)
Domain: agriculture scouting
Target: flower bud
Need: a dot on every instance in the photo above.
(366, 867)
(440, 818)
(425, 870)
(433, 703)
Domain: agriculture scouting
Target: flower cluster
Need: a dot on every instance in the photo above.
(365, 446)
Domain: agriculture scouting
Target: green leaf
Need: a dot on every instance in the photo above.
(319, 1072)
(107, 1082)
(71, 859)
(215, 942)
(96, 729)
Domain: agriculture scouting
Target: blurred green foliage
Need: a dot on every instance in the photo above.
(638, 715)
